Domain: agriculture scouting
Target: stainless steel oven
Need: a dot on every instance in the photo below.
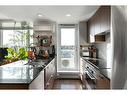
(91, 76)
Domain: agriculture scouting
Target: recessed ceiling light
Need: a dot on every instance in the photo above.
(68, 15)
(39, 15)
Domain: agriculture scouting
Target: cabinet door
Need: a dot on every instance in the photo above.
(52, 74)
(88, 30)
(92, 29)
(53, 68)
(38, 83)
(102, 82)
(92, 23)
(105, 18)
(47, 75)
(97, 23)
(108, 17)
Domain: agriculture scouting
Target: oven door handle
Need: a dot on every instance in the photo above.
(91, 76)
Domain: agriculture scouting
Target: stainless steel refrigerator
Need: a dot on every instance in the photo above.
(119, 47)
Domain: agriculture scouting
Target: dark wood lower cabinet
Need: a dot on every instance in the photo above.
(49, 75)
(14, 86)
(102, 82)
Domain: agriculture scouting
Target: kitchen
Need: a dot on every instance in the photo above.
(56, 51)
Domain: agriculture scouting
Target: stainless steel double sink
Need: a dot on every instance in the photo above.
(37, 63)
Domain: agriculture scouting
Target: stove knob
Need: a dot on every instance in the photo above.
(92, 72)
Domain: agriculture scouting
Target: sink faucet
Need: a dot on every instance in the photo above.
(29, 60)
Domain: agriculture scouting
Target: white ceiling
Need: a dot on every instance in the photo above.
(53, 13)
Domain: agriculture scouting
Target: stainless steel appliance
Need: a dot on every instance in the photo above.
(85, 51)
(100, 65)
(89, 51)
(119, 44)
(93, 70)
(91, 75)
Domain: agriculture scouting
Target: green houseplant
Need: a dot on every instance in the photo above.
(12, 55)
(20, 42)
(22, 54)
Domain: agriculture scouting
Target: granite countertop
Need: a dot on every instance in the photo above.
(20, 72)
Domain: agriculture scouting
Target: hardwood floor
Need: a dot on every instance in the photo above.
(67, 84)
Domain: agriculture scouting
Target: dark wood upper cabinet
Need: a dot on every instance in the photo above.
(105, 18)
(99, 24)
(91, 28)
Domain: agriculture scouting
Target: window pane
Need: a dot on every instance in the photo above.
(67, 36)
(31, 37)
(7, 35)
(18, 38)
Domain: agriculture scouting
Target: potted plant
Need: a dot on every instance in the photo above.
(12, 56)
(23, 54)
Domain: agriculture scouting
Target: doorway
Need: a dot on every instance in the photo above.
(68, 53)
